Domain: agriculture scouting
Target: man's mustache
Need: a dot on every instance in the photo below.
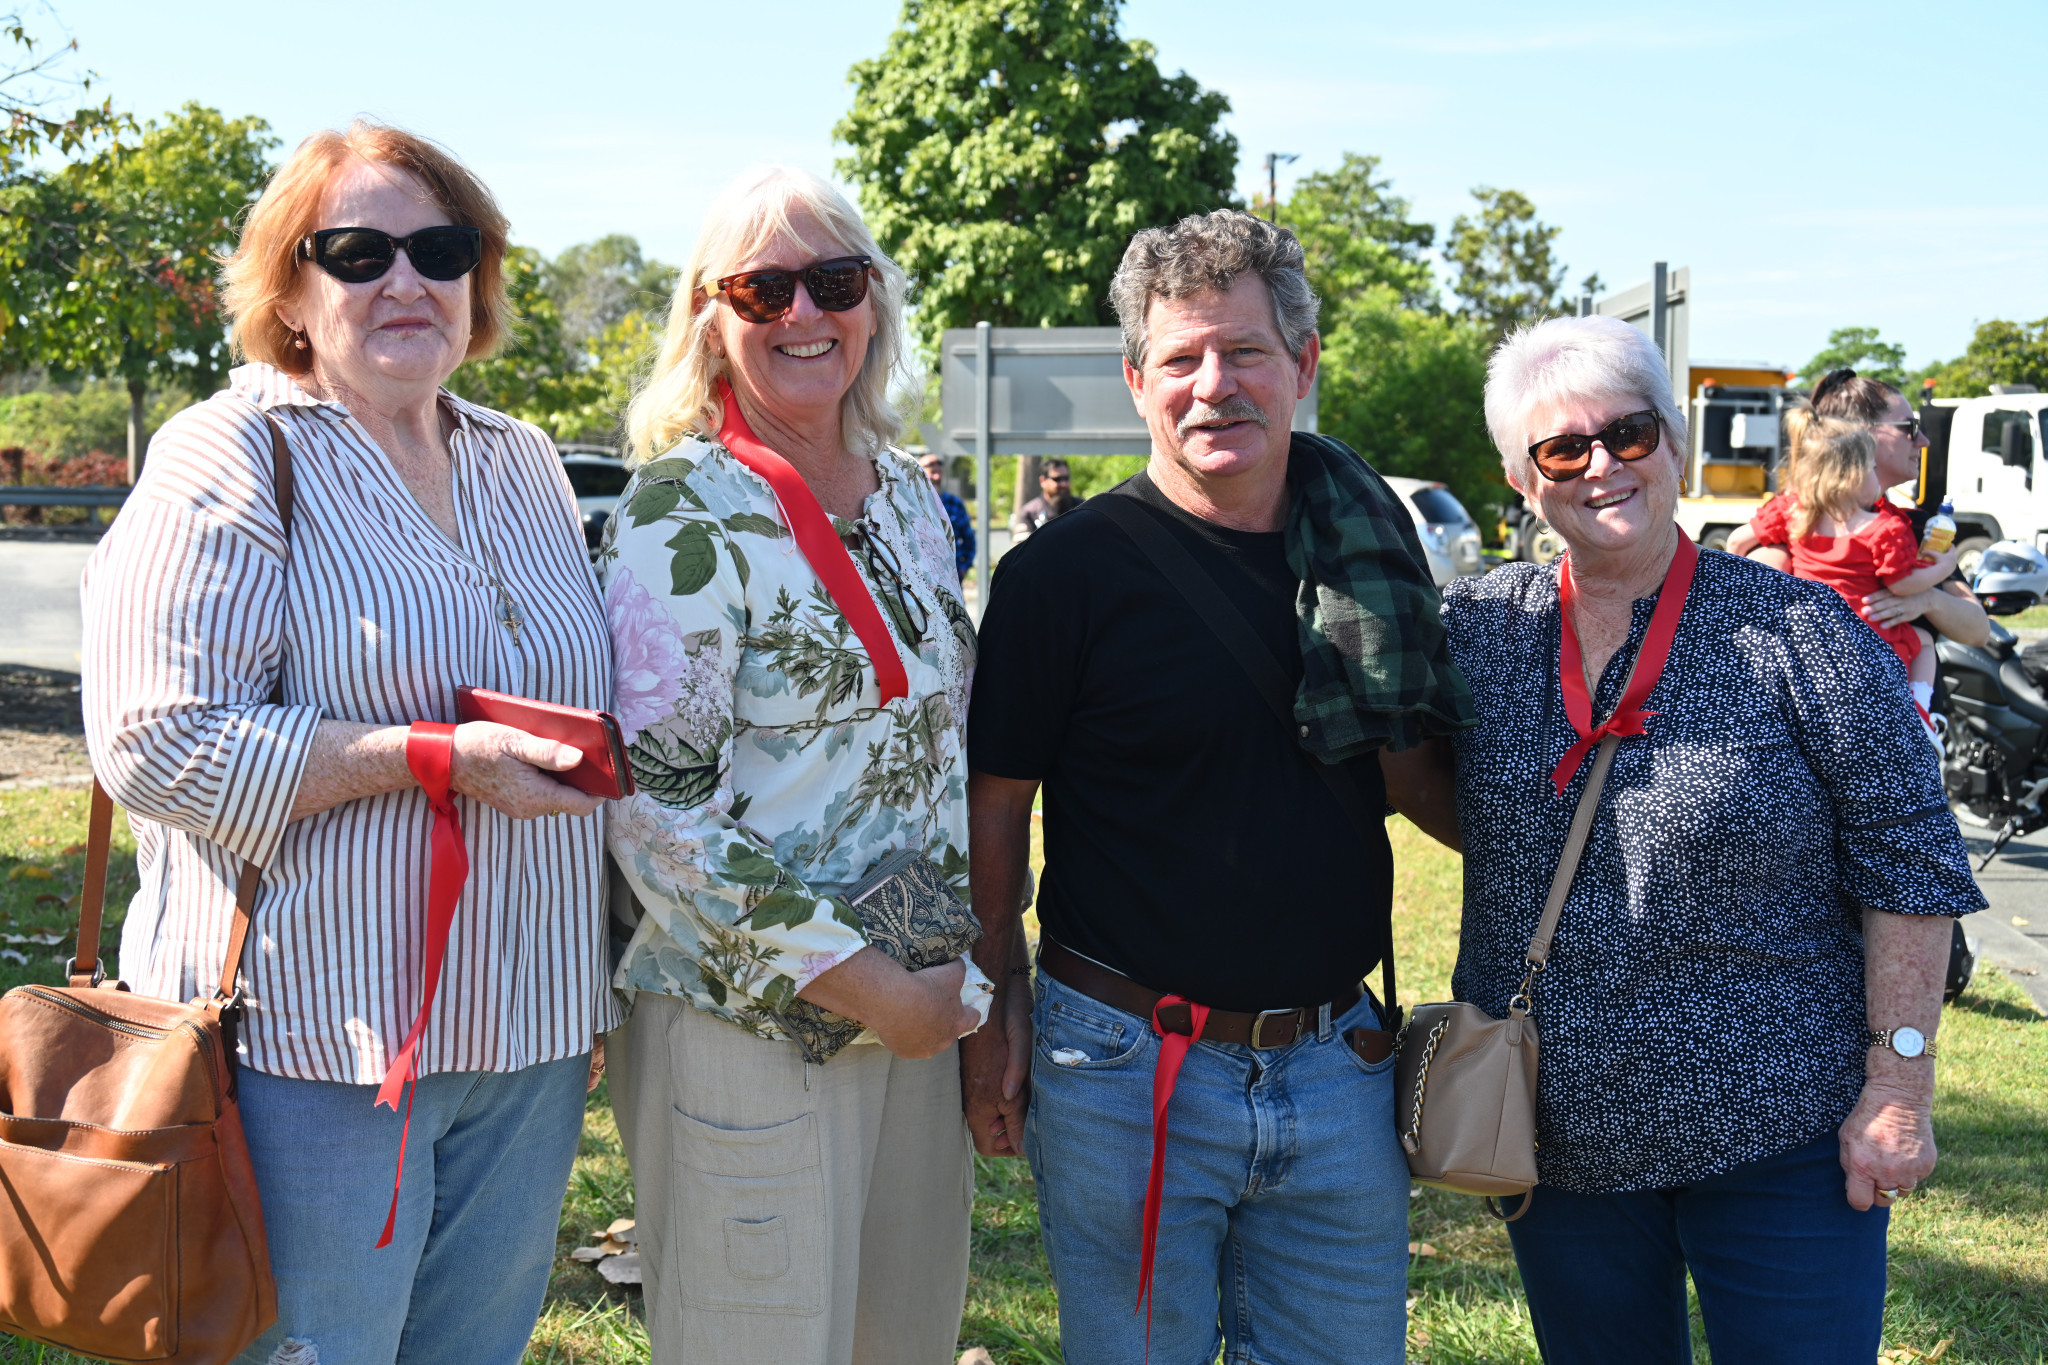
(1235, 409)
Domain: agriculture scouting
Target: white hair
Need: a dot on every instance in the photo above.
(1562, 359)
(680, 395)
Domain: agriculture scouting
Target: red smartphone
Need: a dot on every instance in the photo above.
(604, 770)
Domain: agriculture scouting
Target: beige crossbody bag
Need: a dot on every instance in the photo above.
(1465, 1082)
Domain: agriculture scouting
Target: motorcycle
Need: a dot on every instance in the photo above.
(1996, 768)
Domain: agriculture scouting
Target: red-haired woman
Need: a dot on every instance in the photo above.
(250, 689)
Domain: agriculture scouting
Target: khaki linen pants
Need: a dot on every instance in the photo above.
(804, 1226)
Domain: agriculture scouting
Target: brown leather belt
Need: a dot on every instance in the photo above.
(1264, 1030)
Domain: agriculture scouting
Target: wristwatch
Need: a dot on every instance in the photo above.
(1907, 1042)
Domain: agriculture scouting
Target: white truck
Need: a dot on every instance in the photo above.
(1984, 454)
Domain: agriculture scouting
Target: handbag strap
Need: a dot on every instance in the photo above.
(100, 822)
(1575, 839)
(1221, 615)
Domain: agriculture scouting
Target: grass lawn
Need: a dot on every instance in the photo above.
(1969, 1254)
(2033, 618)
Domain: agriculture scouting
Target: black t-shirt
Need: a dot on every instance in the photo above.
(1189, 843)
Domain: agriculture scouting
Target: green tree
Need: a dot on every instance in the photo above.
(572, 385)
(1508, 271)
(595, 285)
(1858, 349)
(1006, 150)
(116, 257)
(33, 82)
(1355, 234)
(2000, 353)
(1405, 387)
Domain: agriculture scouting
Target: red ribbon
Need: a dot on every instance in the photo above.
(1629, 718)
(430, 753)
(821, 546)
(1173, 1050)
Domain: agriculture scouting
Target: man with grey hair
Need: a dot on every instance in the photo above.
(1221, 671)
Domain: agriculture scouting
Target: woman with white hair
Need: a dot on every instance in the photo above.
(793, 662)
(1739, 1007)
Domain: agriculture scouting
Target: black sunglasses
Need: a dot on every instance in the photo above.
(765, 295)
(911, 616)
(357, 255)
(1910, 428)
(1562, 458)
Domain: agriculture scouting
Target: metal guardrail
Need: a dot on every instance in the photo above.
(44, 495)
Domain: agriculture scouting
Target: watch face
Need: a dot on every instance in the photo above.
(1908, 1042)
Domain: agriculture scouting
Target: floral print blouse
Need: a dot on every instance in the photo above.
(771, 777)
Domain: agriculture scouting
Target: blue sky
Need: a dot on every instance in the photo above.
(1815, 165)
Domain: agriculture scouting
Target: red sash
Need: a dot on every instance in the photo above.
(430, 753)
(1629, 718)
(1173, 1050)
(821, 546)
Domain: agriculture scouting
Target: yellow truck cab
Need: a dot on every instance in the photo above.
(1734, 410)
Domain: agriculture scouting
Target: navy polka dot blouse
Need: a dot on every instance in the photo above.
(1703, 1005)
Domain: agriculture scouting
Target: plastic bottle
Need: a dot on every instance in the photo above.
(1940, 532)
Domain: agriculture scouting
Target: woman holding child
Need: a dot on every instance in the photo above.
(1738, 1012)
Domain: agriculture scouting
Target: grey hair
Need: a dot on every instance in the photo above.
(1206, 251)
(1561, 359)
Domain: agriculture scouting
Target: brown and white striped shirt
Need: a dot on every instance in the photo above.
(192, 607)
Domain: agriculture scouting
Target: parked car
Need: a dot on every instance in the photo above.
(598, 476)
(1449, 535)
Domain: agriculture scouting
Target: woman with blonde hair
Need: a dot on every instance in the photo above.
(794, 661)
(259, 686)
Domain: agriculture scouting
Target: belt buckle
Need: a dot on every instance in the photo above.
(1259, 1027)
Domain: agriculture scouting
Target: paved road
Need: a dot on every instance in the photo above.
(2017, 887)
(39, 623)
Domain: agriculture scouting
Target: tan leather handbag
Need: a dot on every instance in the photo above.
(130, 1227)
(1465, 1082)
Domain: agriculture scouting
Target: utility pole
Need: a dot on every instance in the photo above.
(1273, 163)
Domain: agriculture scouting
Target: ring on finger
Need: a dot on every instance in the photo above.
(1891, 1194)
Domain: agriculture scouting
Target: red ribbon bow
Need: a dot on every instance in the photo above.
(1173, 1050)
(430, 753)
(821, 546)
(1629, 718)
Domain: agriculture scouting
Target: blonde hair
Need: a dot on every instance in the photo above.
(262, 272)
(680, 395)
(1828, 460)
(1561, 359)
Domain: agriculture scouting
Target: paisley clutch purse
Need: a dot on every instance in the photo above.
(909, 912)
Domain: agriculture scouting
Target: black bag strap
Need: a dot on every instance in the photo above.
(1221, 615)
(99, 830)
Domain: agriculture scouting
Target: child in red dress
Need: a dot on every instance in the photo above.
(1841, 532)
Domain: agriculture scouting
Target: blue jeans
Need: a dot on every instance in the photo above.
(485, 1168)
(1284, 1224)
(1786, 1270)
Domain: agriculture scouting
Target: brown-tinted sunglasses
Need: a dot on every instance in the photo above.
(1563, 458)
(765, 295)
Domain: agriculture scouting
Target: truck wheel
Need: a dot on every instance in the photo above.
(1716, 537)
(1545, 545)
(1971, 553)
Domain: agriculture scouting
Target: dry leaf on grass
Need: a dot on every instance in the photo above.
(28, 870)
(621, 1269)
(621, 1230)
(1421, 1249)
(977, 1355)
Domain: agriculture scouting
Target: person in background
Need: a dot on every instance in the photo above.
(1195, 845)
(1837, 535)
(790, 1210)
(934, 466)
(1949, 609)
(435, 544)
(1055, 499)
(1739, 1007)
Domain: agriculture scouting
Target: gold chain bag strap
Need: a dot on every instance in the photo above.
(1465, 1082)
(131, 1229)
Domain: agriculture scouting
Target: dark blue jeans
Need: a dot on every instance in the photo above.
(1785, 1269)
